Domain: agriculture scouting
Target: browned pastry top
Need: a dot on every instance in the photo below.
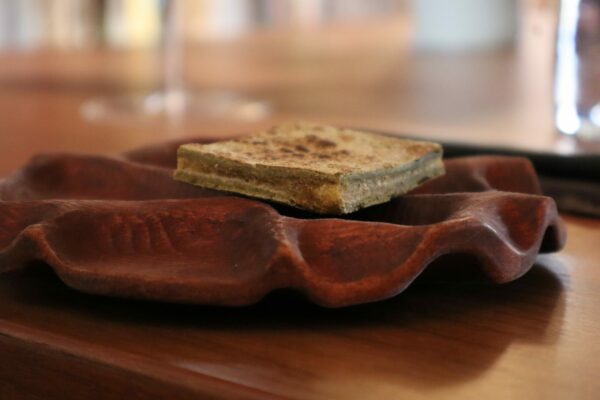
(319, 148)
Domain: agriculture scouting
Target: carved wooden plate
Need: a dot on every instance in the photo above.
(120, 226)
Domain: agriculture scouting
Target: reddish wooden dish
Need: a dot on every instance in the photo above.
(121, 226)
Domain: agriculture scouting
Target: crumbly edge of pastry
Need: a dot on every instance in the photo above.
(319, 192)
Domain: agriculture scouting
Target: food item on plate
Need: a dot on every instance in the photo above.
(314, 167)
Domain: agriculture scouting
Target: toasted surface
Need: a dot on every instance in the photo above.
(319, 148)
(320, 168)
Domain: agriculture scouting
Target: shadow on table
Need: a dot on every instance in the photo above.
(440, 331)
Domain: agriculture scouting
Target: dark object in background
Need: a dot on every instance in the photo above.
(573, 181)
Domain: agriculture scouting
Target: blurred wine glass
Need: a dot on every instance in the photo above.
(174, 101)
(577, 71)
(214, 55)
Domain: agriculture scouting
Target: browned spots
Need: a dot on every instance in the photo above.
(417, 149)
(343, 152)
(318, 142)
(325, 143)
(301, 148)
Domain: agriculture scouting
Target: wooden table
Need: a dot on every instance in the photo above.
(537, 337)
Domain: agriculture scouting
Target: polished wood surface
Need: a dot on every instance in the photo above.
(536, 337)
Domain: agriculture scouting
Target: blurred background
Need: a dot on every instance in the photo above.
(108, 75)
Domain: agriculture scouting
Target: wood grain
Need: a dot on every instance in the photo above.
(534, 338)
(90, 220)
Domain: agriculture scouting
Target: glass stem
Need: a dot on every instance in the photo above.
(174, 96)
